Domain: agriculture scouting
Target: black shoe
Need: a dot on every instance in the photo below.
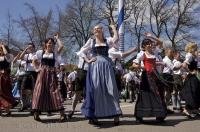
(179, 109)
(116, 121)
(170, 111)
(49, 114)
(36, 116)
(70, 115)
(139, 120)
(22, 109)
(94, 122)
(160, 119)
(7, 114)
(131, 101)
(63, 118)
(174, 108)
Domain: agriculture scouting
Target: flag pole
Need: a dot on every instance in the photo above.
(121, 25)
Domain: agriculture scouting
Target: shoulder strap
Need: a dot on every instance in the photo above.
(105, 40)
(93, 42)
(27, 62)
(83, 65)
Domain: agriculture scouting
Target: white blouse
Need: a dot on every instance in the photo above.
(168, 68)
(29, 66)
(21, 70)
(39, 56)
(140, 57)
(188, 58)
(86, 49)
(114, 54)
(177, 64)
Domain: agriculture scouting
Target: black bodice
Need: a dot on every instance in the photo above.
(48, 61)
(4, 64)
(100, 50)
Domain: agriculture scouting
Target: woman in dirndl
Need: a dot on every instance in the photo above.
(46, 95)
(102, 96)
(150, 101)
(191, 87)
(7, 100)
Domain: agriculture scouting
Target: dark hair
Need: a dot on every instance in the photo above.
(146, 42)
(192, 66)
(47, 40)
(32, 44)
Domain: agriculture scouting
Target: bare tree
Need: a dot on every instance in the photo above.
(160, 11)
(137, 20)
(8, 34)
(37, 27)
(108, 10)
(182, 20)
(78, 21)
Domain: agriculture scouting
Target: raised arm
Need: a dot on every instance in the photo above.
(16, 57)
(24, 52)
(4, 49)
(59, 42)
(157, 40)
(115, 37)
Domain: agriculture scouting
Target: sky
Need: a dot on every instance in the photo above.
(17, 7)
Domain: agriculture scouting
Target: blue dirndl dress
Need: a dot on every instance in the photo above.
(102, 96)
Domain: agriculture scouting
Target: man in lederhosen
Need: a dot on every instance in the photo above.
(61, 82)
(29, 78)
(79, 80)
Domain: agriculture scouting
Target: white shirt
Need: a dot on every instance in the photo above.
(138, 59)
(115, 54)
(21, 67)
(40, 54)
(159, 67)
(131, 76)
(177, 64)
(72, 76)
(60, 76)
(188, 58)
(29, 66)
(82, 64)
(168, 68)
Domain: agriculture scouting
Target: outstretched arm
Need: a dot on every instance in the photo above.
(158, 41)
(130, 51)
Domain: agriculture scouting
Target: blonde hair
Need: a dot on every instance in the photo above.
(191, 47)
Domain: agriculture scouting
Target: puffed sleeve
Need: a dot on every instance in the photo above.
(188, 58)
(114, 54)
(139, 57)
(38, 55)
(85, 49)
